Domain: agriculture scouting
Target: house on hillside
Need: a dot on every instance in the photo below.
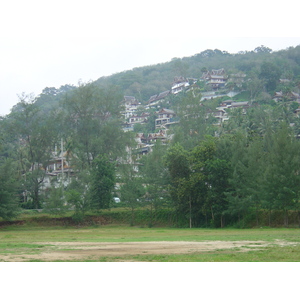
(59, 170)
(242, 105)
(236, 79)
(219, 113)
(179, 84)
(141, 118)
(290, 96)
(161, 136)
(145, 142)
(226, 103)
(165, 113)
(165, 116)
(142, 147)
(155, 100)
(215, 78)
(131, 104)
(297, 112)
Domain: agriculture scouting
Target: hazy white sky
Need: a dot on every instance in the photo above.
(52, 43)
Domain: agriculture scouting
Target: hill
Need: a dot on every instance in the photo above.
(220, 130)
(144, 82)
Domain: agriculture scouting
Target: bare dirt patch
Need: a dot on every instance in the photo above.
(82, 251)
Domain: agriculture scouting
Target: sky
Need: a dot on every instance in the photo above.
(53, 43)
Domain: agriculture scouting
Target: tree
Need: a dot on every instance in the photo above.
(102, 183)
(210, 180)
(78, 202)
(9, 207)
(247, 163)
(199, 182)
(154, 175)
(270, 73)
(193, 125)
(262, 49)
(76, 195)
(281, 179)
(255, 86)
(36, 136)
(55, 203)
(92, 115)
(217, 174)
(177, 163)
(131, 192)
(179, 67)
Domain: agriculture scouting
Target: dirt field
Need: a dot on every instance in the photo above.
(81, 251)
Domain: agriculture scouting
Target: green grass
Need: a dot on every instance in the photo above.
(17, 240)
(270, 254)
(114, 233)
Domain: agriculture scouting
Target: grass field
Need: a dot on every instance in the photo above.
(124, 243)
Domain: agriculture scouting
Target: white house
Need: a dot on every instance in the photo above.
(179, 84)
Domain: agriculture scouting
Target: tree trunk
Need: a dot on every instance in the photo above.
(36, 199)
(190, 212)
(212, 213)
(132, 217)
(151, 215)
(286, 218)
(222, 224)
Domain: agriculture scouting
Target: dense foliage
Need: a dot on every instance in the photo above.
(209, 173)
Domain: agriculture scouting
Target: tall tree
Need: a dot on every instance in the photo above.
(36, 137)
(210, 180)
(282, 181)
(102, 183)
(155, 178)
(93, 118)
(193, 125)
(270, 73)
(9, 207)
(247, 163)
(177, 163)
(131, 190)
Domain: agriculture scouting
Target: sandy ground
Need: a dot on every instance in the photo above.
(82, 251)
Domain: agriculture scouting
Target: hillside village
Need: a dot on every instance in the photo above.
(217, 82)
(225, 136)
(135, 113)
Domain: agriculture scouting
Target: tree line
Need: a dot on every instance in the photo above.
(209, 175)
(235, 177)
(87, 123)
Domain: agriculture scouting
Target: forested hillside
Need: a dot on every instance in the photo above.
(147, 81)
(212, 138)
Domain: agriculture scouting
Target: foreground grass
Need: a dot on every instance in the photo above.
(270, 254)
(24, 240)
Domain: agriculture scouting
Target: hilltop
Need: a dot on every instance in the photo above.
(144, 82)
